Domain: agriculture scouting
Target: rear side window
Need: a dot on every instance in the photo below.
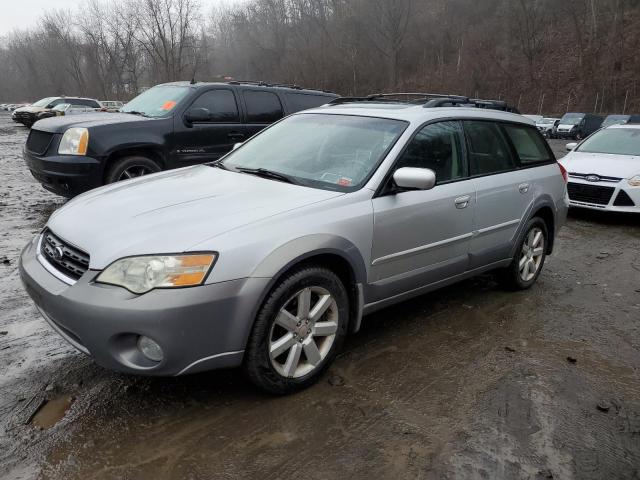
(488, 148)
(529, 145)
(439, 147)
(221, 105)
(84, 102)
(262, 107)
(303, 101)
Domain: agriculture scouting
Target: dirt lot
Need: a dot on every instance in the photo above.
(468, 382)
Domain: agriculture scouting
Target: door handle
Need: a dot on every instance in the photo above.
(462, 202)
(523, 187)
(236, 136)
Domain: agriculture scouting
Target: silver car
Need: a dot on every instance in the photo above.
(269, 257)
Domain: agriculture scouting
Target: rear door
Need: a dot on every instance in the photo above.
(210, 139)
(504, 191)
(421, 237)
(262, 108)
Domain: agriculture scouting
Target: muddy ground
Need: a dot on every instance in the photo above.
(468, 382)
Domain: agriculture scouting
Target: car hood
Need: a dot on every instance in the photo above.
(88, 120)
(30, 109)
(621, 166)
(170, 212)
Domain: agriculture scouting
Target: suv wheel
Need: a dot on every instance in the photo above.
(529, 259)
(131, 167)
(298, 331)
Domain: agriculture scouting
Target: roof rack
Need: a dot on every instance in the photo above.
(260, 83)
(429, 100)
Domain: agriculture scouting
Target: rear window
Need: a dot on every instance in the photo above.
(303, 101)
(262, 107)
(529, 144)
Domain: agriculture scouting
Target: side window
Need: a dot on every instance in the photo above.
(488, 148)
(57, 102)
(221, 105)
(529, 145)
(304, 101)
(439, 147)
(262, 107)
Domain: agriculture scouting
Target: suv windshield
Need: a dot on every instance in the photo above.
(157, 101)
(44, 102)
(333, 152)
(572, 119)
(617, 141)
(615, 120)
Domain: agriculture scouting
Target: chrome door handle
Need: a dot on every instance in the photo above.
(523, 187)
(462, 202)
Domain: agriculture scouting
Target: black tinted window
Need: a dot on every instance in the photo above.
(488, 149)
(83, 101)
(262, 107)
(438, 147)
(529, 144)
(303, 101)
(221, 105)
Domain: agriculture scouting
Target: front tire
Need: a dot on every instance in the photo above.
(529, 258)
(298, 331)
(131, 167)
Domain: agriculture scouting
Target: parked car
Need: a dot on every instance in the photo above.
(111, 105)
(29, 115)
(168, 126)
(64, 109)
(535, 118)
(604, 170)
(578, 125)
(268, 257)
(547, 126)
(615, 120)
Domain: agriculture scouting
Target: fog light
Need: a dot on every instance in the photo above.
(150, 349)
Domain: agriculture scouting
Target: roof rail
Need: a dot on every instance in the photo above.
(260, 83)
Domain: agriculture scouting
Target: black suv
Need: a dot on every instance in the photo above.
(168, 126)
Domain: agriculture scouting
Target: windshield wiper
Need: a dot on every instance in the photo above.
(263, 172)
(218, 164)
(135, 112)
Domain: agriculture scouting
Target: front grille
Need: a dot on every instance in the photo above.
(623, 200)
(38, 141)
(601, 178)
(66, 258)
(595, 194)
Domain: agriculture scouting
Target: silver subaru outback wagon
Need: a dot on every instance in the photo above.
(267, 258)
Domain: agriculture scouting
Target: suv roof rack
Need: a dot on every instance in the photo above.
(429, 100)
(260, 83)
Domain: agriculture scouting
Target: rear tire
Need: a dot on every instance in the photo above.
(298, 331)
(131, 167)
(529, 258)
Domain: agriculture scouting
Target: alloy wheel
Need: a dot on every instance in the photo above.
(531, 254)
(134, 171)
(303, 332)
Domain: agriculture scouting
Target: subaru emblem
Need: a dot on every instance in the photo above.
(58, 253)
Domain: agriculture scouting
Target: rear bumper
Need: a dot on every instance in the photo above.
(66, 175)
(199, 328)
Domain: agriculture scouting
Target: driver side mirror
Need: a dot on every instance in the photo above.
(415, 178)
(571, 146)
(197, 115)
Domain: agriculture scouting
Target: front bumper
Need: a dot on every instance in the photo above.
(616, 202)
(199, 328)
(66, 175)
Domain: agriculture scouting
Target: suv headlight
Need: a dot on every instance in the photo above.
(74, 142)
(142, 274)
(634, 181)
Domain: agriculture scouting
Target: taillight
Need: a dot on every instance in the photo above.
(563, 171)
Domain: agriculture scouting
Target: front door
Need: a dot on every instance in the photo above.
(209, 140)
(421, 237)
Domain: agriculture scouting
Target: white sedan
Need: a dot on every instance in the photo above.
(604, 170)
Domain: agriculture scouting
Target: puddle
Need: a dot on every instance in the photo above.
(51, 412)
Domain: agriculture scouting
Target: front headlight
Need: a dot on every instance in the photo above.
(74, 142)
(142, 274)
(634, 181)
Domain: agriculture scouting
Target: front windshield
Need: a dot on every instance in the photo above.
(157, 101)
(615, 120)
(617, 141)
(44, 102)
(572, 119)
(333, 152)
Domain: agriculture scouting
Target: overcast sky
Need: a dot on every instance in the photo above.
(21, 14)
